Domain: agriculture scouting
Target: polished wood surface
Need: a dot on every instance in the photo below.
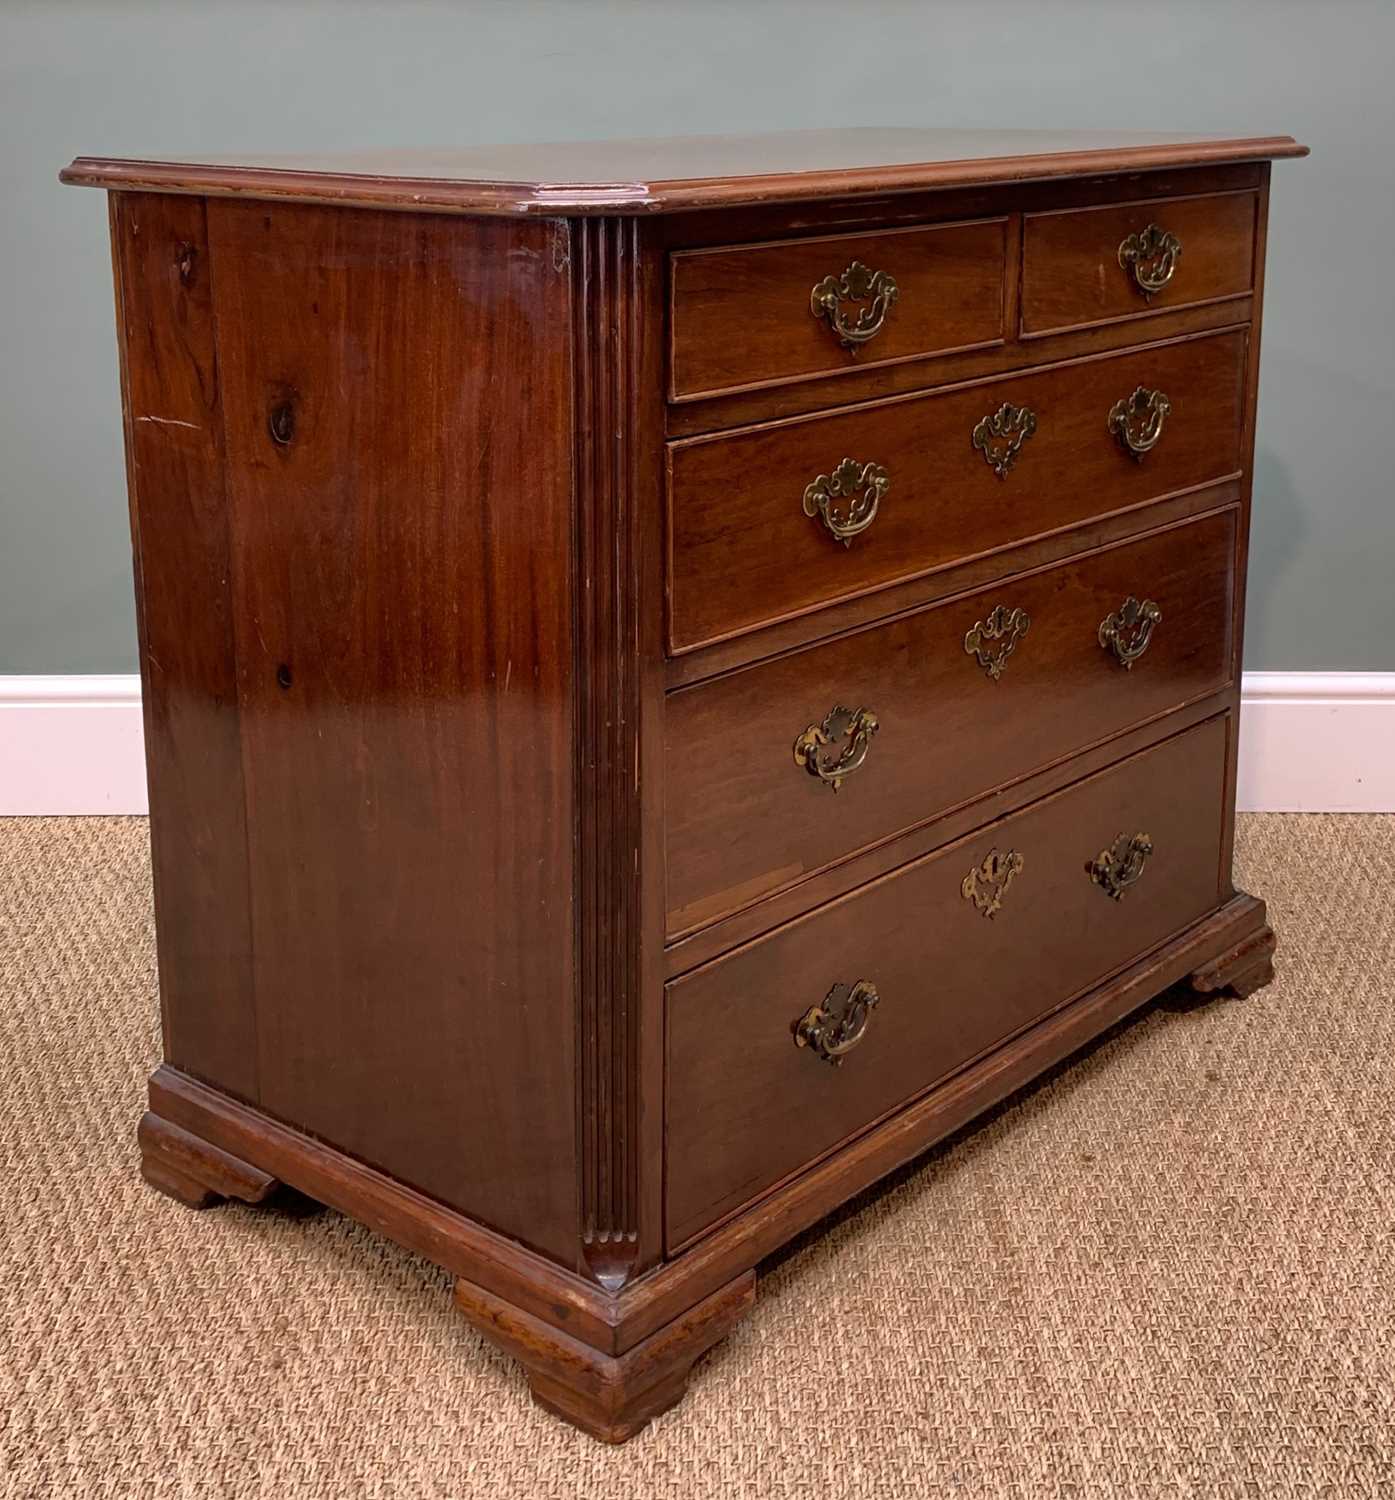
(408, 750)
(1072, 278)
(194, 1172)
(701, 945)
(746, 1106)
(663, 175)
(1240, 970)
(610, 1397)
(616, 352)
(742, 825)
(1015, 356)
(480, 611)
(616, 1321)
(395, 663)
(964, 575)
(740, 315)
(1018, 203)
(740, 563)
(455, 1241)
(181, 549)
(807, 1197)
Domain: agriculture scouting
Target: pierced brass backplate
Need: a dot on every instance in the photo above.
(1152, 256)
(988, 883)
(856, 726)
(999, 437)
(832, 1028)
(1128, 630)
(1115, 869)
(1003, 625)
(1137, 420)
(863, 486)
(858, 283)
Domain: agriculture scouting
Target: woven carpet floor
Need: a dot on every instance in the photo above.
(1166, 1270)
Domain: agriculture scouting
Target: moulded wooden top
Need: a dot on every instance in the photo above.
(682, 172)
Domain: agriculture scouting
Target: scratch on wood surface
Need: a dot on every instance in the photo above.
(171, 422)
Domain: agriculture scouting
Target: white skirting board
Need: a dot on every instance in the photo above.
(71, 745)
(1317, 742)
(1309, 742)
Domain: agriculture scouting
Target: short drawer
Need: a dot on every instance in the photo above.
(966, 695)
(754, 315)
(1097, 265)
(777, 520)
(962, 949)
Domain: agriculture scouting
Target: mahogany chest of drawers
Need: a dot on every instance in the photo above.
(675, 674)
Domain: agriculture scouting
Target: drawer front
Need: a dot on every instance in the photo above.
(745, 818)
(754, 315)
(1086, 266)
(772, 521)
(953, 976)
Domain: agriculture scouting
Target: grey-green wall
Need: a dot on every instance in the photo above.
(126, 78)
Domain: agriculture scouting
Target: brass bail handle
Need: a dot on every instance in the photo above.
(858, 284)
(1151, 256)
(1115, 869)
(862, 486)
(1137, 420)
(836, 1024)
(1128, 630)
(814, 752)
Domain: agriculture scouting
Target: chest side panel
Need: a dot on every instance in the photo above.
(180, 548)
(395, 393)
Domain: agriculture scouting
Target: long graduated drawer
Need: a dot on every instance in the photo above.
(782, 1050)
(783, 768)
(780, 519)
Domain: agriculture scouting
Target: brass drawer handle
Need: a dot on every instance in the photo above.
(833, 1027)
(858, 283)
(1137, 420)
(863, 486)
(1115, 869)
(1152, 256)
(857, 727)
(1128, 630)
(1004, 625)
(1000, 435)
(988, 883)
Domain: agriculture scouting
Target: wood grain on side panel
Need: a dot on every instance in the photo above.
(402, 589)
(179, 534)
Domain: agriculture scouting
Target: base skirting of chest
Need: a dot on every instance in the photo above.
(611, 1397)
(609, 1362)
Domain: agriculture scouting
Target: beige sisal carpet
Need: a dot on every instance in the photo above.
(1168, 1270)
